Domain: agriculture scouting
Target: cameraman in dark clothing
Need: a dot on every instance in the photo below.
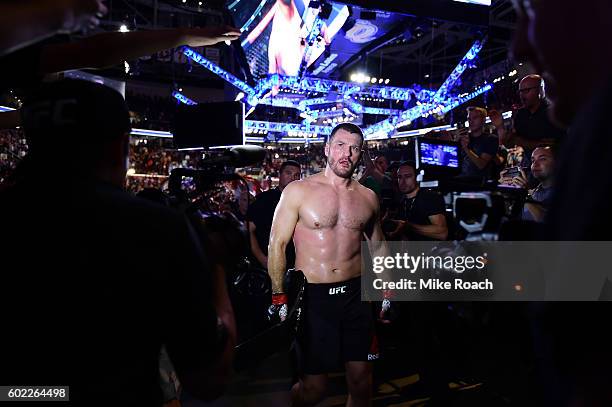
(91, 282)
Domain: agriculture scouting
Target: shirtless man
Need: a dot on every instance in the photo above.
(328, 215)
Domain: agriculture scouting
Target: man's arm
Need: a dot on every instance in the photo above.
(202, 350)
(255, 249)
(437, 230)
(285, 218)
(538, 211)
(480, 161)
(498, 121)
(108, 49)
(263, 24)
(27, 22)
(374, 233)
(370, 169)
(511, 138)
(208, 383)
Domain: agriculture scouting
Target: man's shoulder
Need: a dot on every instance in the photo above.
(267, 196)
(429, 194)
(363, 189)
(108, 199)
(432, 200)
(520, 114)
(491, 141)
(368, 194)
(296, 190)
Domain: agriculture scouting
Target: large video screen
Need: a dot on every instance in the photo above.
(275, 34)
(441, 155)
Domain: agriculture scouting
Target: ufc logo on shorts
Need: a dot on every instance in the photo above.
(337, 290)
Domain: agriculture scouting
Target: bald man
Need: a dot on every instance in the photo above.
(531, 126)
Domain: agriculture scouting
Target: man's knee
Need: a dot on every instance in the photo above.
(359, 380)
(310, 391)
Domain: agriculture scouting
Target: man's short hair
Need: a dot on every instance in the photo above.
(550, 147)
(289, 163)
(73, 114)
(407, 164)
(350, 127)
(483, 112)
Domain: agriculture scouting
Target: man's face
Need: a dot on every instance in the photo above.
(542, 163)
(475, 120)
(289, 174)
(343, 153)
(406, 179)
(529, 92)
(547, 36)
(381, 163)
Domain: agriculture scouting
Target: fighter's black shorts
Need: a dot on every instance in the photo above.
(338, 327)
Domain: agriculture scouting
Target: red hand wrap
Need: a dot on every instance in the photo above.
(279, 299)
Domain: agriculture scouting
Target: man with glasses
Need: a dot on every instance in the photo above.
(531, 125)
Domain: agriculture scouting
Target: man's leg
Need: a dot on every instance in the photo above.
(309, 390)
(359, 382)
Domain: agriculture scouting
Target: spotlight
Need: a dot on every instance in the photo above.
(239, 96)
(124, 28)
(354, 77)
(366, 78)
(386, 81)
(380, 80)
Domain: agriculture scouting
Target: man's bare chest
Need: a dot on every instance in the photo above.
(324, 209)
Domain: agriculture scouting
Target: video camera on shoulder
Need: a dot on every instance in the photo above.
(216, 132)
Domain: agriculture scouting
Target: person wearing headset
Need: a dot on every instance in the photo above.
(531, 126)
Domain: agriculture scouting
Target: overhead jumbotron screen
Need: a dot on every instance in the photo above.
(274, 33)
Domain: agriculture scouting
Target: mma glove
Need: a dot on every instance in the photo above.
(386, 311)
(277, 312)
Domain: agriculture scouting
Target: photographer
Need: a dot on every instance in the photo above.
(478, 148)
(115, 268)
(542, 168)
